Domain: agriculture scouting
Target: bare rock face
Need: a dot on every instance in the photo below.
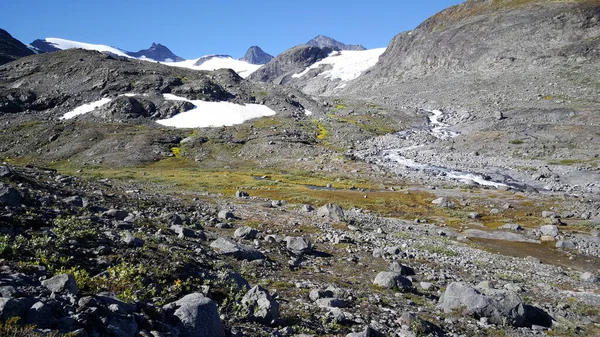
(11, 48)
(327, 42)
(280, 69)
(255, 55)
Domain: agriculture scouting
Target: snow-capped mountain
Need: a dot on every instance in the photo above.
(325, 41)
(157, 52)
(52, 44)
(256, 55)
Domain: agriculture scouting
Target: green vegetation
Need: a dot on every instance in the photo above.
(11, 328)
(323, 132)
(516, 142)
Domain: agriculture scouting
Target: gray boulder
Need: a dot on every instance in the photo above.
(247, 233)
(43, 315)
(132, 241)
(9, 196)
(589, 277)
(549, 230)
(225, 215)
(298, 245)
(61, 283)
(197, 316)
(332, 211)
(261, 306)
(501, 307)
(511, 226)
(396, 267)
(392, 280)
(183, 232)
(241, 252)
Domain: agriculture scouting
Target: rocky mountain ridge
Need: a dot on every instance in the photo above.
(327, 42)
(11, 48)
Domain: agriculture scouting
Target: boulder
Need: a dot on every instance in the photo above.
(9, 196)
(549, 230)
(392, 280)
(241, 252)
(298, 245)
(225, 215)
(501, 307)
(241, 194)
(331, 211)
(197, 316)
(261, 306)
(61, 283)
(183, 232)
(396, 267)
(247, 233)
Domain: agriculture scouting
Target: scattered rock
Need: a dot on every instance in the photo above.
(298, 245)
(392, 280)
(261, 306)
(246, 233)
(240, 252)
(61, 283)
(331, 211)
(197, 316)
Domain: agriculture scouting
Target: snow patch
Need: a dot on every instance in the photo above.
(346, 65)
(207, 114)
(242, 68)
(307, 113)
(89, 107)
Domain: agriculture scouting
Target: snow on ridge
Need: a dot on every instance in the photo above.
(68, 44)
(346, 64)
(244, 69)
(214, 114)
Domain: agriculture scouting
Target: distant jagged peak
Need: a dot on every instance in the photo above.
(322, 41)
(255, 55)
(157, 52)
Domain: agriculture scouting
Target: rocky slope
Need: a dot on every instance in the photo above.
(327, 42)
(11, 48)
(255, 55)
(157, 52)
(280, 69)
(512, 80)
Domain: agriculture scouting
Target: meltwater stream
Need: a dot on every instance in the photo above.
(440, 130)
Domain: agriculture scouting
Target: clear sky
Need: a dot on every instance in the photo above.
(193, 28)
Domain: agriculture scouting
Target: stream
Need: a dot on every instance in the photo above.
(440, 130)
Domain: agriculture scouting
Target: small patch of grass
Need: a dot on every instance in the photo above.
(516, 141)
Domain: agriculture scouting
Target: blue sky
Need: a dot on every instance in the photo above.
(195, 28)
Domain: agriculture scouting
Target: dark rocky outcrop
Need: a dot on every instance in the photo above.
(327, 42)
(256, 55)
(43, 46)
(11, 48)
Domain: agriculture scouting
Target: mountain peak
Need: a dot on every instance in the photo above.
(323, 41)
(255, 55)
(11, 48)
(157, 52)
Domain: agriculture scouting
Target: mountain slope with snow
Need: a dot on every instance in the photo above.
(62, 44)
(214, 62)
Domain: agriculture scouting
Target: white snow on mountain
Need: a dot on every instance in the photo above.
(207, 114)
(68, 44)
(346, 64)
(244, 69)
(86, 108)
